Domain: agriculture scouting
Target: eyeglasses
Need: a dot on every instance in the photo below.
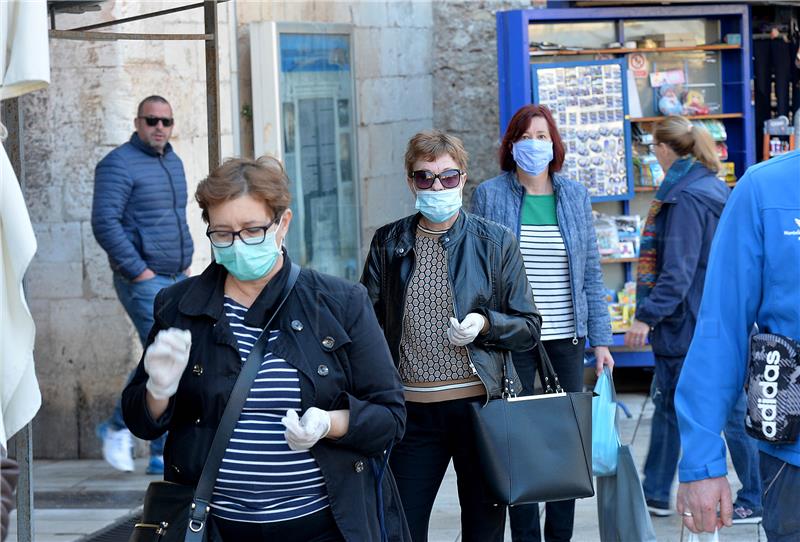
(424, 179)
(153, 121)
(253, 235)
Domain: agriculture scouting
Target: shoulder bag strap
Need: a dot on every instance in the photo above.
(202, 494)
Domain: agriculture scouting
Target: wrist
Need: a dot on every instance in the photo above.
(340, 423)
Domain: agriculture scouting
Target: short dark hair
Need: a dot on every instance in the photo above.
(150, 99)
(517, 127)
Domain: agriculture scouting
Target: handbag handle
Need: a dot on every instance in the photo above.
(205, 486)
(545, 369)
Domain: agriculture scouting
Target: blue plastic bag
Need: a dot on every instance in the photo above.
(605, 439)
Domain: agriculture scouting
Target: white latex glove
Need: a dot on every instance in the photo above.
(303, 433)
(165, 360)
(464, 333)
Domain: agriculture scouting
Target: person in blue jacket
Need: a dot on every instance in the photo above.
(753, 277)
(673, 258)
(139, 219)
(552, 219)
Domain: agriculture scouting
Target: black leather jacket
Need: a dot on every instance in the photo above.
(487, 276)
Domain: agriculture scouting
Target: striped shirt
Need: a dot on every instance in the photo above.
(547, 267)
(261, 480)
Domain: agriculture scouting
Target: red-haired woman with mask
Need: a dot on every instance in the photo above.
(552, 218)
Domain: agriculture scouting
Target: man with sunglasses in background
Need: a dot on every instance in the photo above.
(450, 292)
(139, 218)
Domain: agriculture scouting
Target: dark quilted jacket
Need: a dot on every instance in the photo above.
(139, 210)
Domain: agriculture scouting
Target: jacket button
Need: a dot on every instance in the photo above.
(322, 370)
(197, 370)
(446, 239)
(401, 250)
(297, 325)
(359, 466)
(197, 421)
(328, 342)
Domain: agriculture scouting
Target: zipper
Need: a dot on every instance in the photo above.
(571, 274)
(474, 369)
(174, 205)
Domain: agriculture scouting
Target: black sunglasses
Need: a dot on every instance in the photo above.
(424, 179)
(153, 121)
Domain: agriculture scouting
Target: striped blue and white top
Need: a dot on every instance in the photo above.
(547, 267)
(261, 480)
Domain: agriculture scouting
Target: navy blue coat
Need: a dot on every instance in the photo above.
(329, 333)
(685, 227)
(139, 210)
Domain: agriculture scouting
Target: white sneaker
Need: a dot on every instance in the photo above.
(118, 448)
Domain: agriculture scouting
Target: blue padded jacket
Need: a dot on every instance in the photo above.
(139, 210)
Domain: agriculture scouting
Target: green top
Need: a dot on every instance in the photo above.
(539, 210)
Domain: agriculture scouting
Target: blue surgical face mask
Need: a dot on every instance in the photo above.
(438, 205)
(249, 262)
(533, 156)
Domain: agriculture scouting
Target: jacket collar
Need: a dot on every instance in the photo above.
(137, 142)
(516, 186)
(207, 294)
(408, 232)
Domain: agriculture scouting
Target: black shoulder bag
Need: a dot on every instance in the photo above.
(179, 513)
(536, 448)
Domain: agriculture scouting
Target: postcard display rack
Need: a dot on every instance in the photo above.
(610, 75)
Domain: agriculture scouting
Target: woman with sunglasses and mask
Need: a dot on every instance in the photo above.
(450, 292)
(325, 405)
(552, 218)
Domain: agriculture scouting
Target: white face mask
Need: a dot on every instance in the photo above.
(438, 206)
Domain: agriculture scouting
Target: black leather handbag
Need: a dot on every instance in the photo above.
(179, 513)
(536, 448)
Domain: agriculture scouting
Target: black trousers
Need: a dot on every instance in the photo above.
(771, 56)
(567, 360)
(435, 433)
(317, 527)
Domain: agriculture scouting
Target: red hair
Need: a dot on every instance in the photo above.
(519, 125)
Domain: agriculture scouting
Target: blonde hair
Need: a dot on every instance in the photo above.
(685, 138)
(430, 145)
(263, 179)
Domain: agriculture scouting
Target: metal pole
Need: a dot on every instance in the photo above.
(23, 440)
(212, 82)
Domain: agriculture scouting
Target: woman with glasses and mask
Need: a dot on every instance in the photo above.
(450, 292)
(552, 218)
(325, 405)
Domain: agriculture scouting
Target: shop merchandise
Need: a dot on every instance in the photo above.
(622, 307)
(617, 236)
(587, 103)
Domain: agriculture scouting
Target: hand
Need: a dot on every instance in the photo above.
(165, 360)
(303, 433)
(603, 357)
(698, 502)
(637, 334)
(147, 274)
(464, 333)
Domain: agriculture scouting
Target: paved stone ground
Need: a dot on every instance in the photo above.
(75, 498)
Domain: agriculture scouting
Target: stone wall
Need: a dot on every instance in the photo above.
(465, 99)
(85, 344)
